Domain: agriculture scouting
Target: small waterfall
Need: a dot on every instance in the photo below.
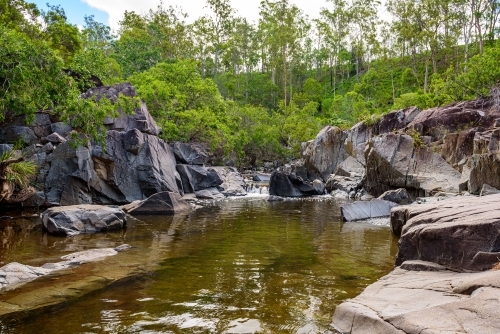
(257, 189)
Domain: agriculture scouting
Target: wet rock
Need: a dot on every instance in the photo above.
(440, 232)
(88, 255)
(275, 199)
(319, 186)
(424, 301)
(339, 194)
(55, 138)
(61, 128)
(196, 178)
(289, 185)
(190, 153)
(73, 220)
(364, 210)
(164, 203)
(122, 248)
(210, 193)
(489, 190)
(417, 265)
(323, 155)
(15, 273)
(399, 196)
(262, 177)
(15, 134)
(393, 161)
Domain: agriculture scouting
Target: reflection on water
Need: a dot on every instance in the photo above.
(235, 266)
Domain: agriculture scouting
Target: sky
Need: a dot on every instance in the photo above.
(110, 12)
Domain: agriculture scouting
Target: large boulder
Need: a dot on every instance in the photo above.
(460, 233)
(399, 196)
(164, 203)
(343, 183)
(15, 134)
(426, 299)
(190, 153)
(233, 183)
(323, 155)
(350, 167)
(396, 161)
(361, 133)
(196, 178)
(73, 220)
(484, 165)
(289, 185)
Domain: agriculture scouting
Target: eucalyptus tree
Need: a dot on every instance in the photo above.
(220, 27)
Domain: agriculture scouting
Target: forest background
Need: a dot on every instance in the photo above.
(251, 91)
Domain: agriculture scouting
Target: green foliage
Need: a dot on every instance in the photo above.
(31, 77)
(20, 173)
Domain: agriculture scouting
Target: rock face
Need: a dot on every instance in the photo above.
(190, 154)
(424, 301)
(365, 210)
(289, 185)
(461, 233)
(323, 155)
(73, 220)
(164, 203)
(393, 161)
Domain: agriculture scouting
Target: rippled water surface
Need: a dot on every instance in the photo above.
(236, 266)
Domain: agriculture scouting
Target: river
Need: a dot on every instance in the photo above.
(240, 265)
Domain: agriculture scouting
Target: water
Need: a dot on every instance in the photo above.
(235, 266)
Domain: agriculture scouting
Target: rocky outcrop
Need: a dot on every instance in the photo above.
(164, 203)
(226, 179)
(396, 161)
(423, 301)
(73, 220)
(323, 155)
(460, 233)
(365, 210)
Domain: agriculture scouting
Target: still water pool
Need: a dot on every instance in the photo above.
(236, 266)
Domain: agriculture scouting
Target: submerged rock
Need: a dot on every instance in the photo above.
(73, 220)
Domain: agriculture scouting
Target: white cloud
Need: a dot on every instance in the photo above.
(194, 8)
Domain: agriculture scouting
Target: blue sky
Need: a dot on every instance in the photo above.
(75, 10)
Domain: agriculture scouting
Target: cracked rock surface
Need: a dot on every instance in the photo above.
(418, 302)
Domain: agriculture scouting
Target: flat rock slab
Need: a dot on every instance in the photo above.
(415, 302)
(461, 233)
(76, 219)
(366, 210)
(15, 274)
(164, 203)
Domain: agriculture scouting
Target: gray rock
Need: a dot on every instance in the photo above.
(275, 199)
(399, 196)
(5, 148)
(289, 185)
(122, 248)
(339, 194)
(346, 184)
(190, 154)
(164, 203)
(73, 220)
(232, 184)
(55, 138)
(350, 167)
(15, 134)
(392, 161)
(323, 155)
(489, 190)
(319, 186)
(88, 255)
(61, 128)
(48, 148)
(141, 119)
(41, 125)
(199, 177)
(36, 200)
(133, 141)
(417, 265)
(424, 302)
(365, 210)
(440, 232)
(15, 273)
(262, 177)
(210, 193)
